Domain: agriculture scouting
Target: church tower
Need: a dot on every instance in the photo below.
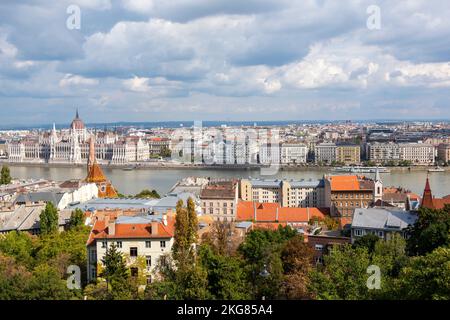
(378, 192)
(427, 198)
(95, 174)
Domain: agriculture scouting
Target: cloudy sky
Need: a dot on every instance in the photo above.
(151, 60)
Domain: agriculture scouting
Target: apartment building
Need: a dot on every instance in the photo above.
(287, 193)
(384, 152)
(344, 194)
(325, 153)
(348, 153)
(219, 199)
(146, 237)
(381, 222)
(303, 193)
(444, 152)
(418, 153)
(293, 153)
(264, 191)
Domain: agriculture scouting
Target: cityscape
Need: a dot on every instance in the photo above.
(224, 153)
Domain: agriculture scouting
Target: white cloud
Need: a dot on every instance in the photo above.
(76, 80)
(137, 84)
(142, 6)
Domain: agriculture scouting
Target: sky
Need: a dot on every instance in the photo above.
(159, 60)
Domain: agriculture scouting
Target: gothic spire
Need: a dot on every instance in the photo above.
(427, 199)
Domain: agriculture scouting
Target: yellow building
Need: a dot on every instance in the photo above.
(348, 154)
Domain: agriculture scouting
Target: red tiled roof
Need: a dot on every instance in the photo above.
(267, 212)
(344, 183)
(100, 230)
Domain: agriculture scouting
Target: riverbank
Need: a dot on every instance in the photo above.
(171, 166)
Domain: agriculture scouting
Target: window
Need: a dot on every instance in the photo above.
(93, 255)
(149, 279)
(134, 271)
(119, 244)
(148, 261)
(103, 244)
(93, 273)
(318, 247)
(133, 252)
(357, 232)
(162, 244)
(163, 260)
(148, 244)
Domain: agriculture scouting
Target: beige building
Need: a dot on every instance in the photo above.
(148, 238)
(348, 154)
(219, 199)
(287, 193)
(444, 152)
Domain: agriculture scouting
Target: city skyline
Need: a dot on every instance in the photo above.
(137, 61)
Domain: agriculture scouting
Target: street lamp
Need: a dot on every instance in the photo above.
(265, 274)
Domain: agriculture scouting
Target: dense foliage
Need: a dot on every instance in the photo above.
(271, 264)
(5, 175)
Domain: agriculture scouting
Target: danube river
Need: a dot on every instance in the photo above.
(131, 182)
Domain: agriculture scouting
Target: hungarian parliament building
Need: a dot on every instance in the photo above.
(72, 146)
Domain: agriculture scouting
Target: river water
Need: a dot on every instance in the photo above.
(132, 182)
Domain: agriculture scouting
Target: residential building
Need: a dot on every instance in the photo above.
(148, 237)
(321, 244)
(219, 199)
(272, 213)
(381, 222)
(288, 193)
(344, 194)
(417, 153)
(325, 153)
(303, 193)
(444, 152)
(348, 153)
(293, 153)
(26, 218)
(264, 191)
(61, 196)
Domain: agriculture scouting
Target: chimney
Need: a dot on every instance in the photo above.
(276, 215)
(254, 211)
(164, 219)
(112, 228)
(307, 210)
(155, 227)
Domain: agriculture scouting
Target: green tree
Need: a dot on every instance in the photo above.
(182, 246)
(47, 284)
(63, 249)
(19, 245)
(5, 175)
(426, 277)
(76, 218)
(225, 274)
(430, 231)
(367, 241)
(192, 221)
(48, 219)
(117, 275)
(147, 194)
(261, 252)
(14, 279)
(343, 276)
